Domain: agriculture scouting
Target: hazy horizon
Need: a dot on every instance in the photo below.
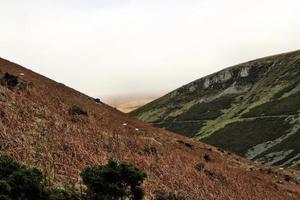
(108, 48)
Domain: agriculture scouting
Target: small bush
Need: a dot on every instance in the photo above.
(2, 114)
(76, 110)
(97, 100)
(207, 158)
(113, 181)
(150, 150)
(287, 178)
(9, 81)
(185, 143)
(210, 174)
(221, 150)
(199, 166)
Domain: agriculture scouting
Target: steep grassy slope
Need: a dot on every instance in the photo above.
(252, 109)
(47, 124)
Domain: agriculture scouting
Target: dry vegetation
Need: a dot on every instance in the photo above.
(36, 127)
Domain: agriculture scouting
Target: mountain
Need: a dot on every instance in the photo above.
(251, 109)
(49, 125)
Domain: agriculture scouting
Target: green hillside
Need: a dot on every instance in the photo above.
(252, 109)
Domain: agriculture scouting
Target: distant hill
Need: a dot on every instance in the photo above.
(252, 109)
(132, 105)
(128, 103)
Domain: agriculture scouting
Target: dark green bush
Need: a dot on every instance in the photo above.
(9, 81)
(5, 188)
(61, 194)
(76, 110)
(114, 181)
(7, 167)
(4, 197)
(20, 182)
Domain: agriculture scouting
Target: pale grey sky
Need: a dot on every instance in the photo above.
(103, 47)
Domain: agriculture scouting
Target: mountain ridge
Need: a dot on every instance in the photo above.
(264, 90)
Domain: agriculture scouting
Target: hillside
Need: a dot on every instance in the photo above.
(252, 109)
(40, 126)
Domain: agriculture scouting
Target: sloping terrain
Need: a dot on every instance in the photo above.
(252, 109)
(47, 124)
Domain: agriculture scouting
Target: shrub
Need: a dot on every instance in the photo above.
(9, 81)
(4, 197)
(185, 143)
(210, 174)
(7, 167)
(207, 158)
(199, 166)
(20, 182)
(97, 100)
(5, 188)
(113, 181)
(2, 114)
(150, 150)
(61, 194)
(287, 178)
(76, 110)
(26, 184)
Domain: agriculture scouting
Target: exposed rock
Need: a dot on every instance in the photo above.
(220, 77)
(244, 72)
(192, 88)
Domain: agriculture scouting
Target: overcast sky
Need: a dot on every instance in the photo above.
(103, 47)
